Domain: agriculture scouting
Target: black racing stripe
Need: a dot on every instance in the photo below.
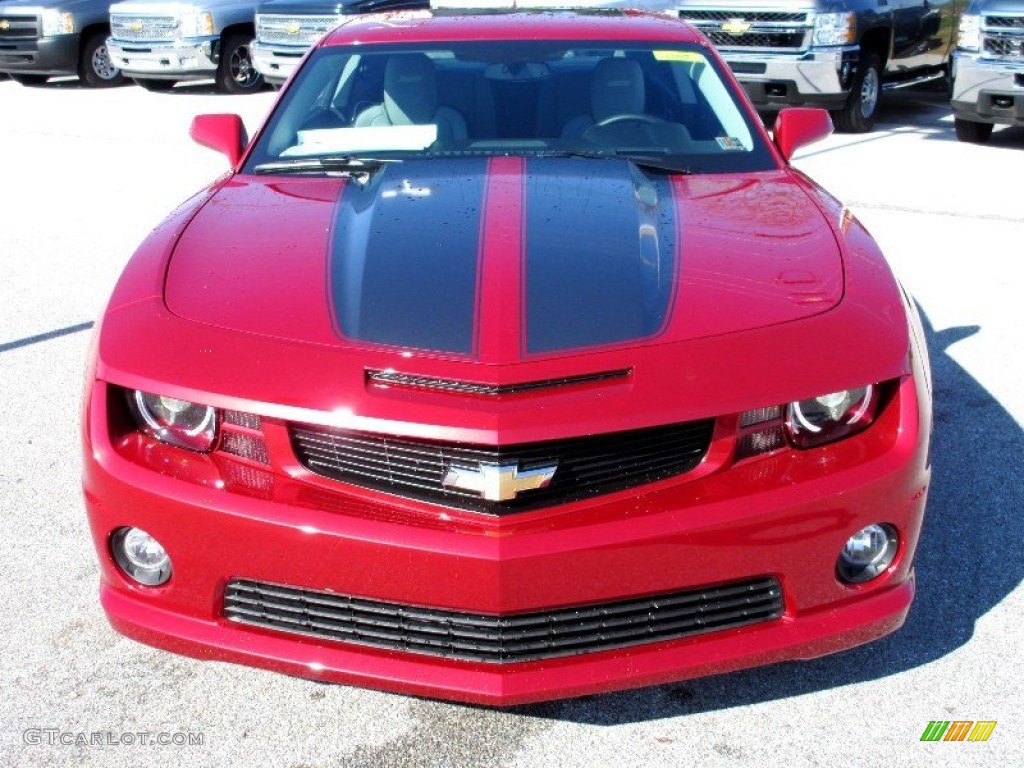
(600, 253)
(405, 255)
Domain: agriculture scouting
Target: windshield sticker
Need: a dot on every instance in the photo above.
(730, 143)
(691, 57)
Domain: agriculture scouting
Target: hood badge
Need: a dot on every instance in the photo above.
(498, 481)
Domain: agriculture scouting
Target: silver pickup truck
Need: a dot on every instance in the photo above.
(988, 69)
(159, 43)
(837, 54)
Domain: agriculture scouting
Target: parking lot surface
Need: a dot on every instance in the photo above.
(86, 174)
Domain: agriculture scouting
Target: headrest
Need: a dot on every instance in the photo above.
(410, 89)
(616, 88)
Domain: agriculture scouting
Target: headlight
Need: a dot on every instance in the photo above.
(177, 422)
(197, 23)
(57, 22)
(830, 417)
(835, 28)
(969, 36)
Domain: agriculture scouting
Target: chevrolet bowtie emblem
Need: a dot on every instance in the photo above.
(293, 28)
(135, 26)
(5, 25)
(498, 482)
(737, 26)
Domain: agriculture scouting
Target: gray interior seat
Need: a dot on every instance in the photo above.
(410, 98)
(616, 88)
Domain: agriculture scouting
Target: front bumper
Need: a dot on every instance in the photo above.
(818, 78)
(781, 516)
(987, 91)
(40, 56)
(192, 59)
(276, 63)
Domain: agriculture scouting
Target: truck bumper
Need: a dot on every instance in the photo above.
(40, 56)
(185, 60)
(818, 78)
(276, 62)
(988, 91)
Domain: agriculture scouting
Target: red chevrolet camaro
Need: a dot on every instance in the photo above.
(511, 361)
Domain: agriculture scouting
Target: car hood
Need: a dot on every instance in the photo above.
(500, 260)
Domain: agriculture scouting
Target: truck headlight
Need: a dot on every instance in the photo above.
(57, 22)
(969, 36)
(197, 23)
(835, 28)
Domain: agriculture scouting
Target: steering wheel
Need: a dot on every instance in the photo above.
(626, 117)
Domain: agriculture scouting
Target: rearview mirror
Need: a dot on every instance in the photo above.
(797, 127)
(224, 133)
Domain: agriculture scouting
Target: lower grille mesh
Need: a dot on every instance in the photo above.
(506, 638)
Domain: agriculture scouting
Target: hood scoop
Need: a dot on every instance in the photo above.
(391, 378)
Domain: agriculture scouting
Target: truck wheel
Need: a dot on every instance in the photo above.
(95, 67)
(861, 110)
(975, 133)
(154, 85)
(235, 72)
(29, 79)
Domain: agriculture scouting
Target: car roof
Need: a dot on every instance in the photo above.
(445, 26)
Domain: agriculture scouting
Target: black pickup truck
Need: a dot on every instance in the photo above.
(837, 54)
(43, 38)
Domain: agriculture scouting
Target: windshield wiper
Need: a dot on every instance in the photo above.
(342, 165)
(648, 162)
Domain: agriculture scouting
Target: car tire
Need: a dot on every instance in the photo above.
(865, 100)
(29, 80)
(974, 133)
(235, 72)
(151, 84)
(95, 67)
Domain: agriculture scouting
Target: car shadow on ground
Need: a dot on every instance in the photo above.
(968, 560)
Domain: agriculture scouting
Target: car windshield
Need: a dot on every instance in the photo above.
(666, 105)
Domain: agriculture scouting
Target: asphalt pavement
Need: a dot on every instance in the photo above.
(84, 175)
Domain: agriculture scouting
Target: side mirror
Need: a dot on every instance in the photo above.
(224, 133)
(797, 127)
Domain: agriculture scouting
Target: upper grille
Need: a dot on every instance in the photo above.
(586, 466)
(798, 17)
(506, 638)
(19, 26)
(1005, 46)
(755, 39)
(1005, 22)
(136, 27)
(293, 30)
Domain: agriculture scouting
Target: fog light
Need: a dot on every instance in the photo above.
(868, 553)
(141, 556)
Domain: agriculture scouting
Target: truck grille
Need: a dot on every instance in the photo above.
(293, 30)
(19, 26)
(136, 27)
(504, 638)
(584, 466)
(768, 30)
(776, 17)
(1003, 37)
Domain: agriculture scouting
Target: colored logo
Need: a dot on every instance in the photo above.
(135, 26)
(5, 25)
(293, 28)
(498, 482)
(958, 730)
(737, 26)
